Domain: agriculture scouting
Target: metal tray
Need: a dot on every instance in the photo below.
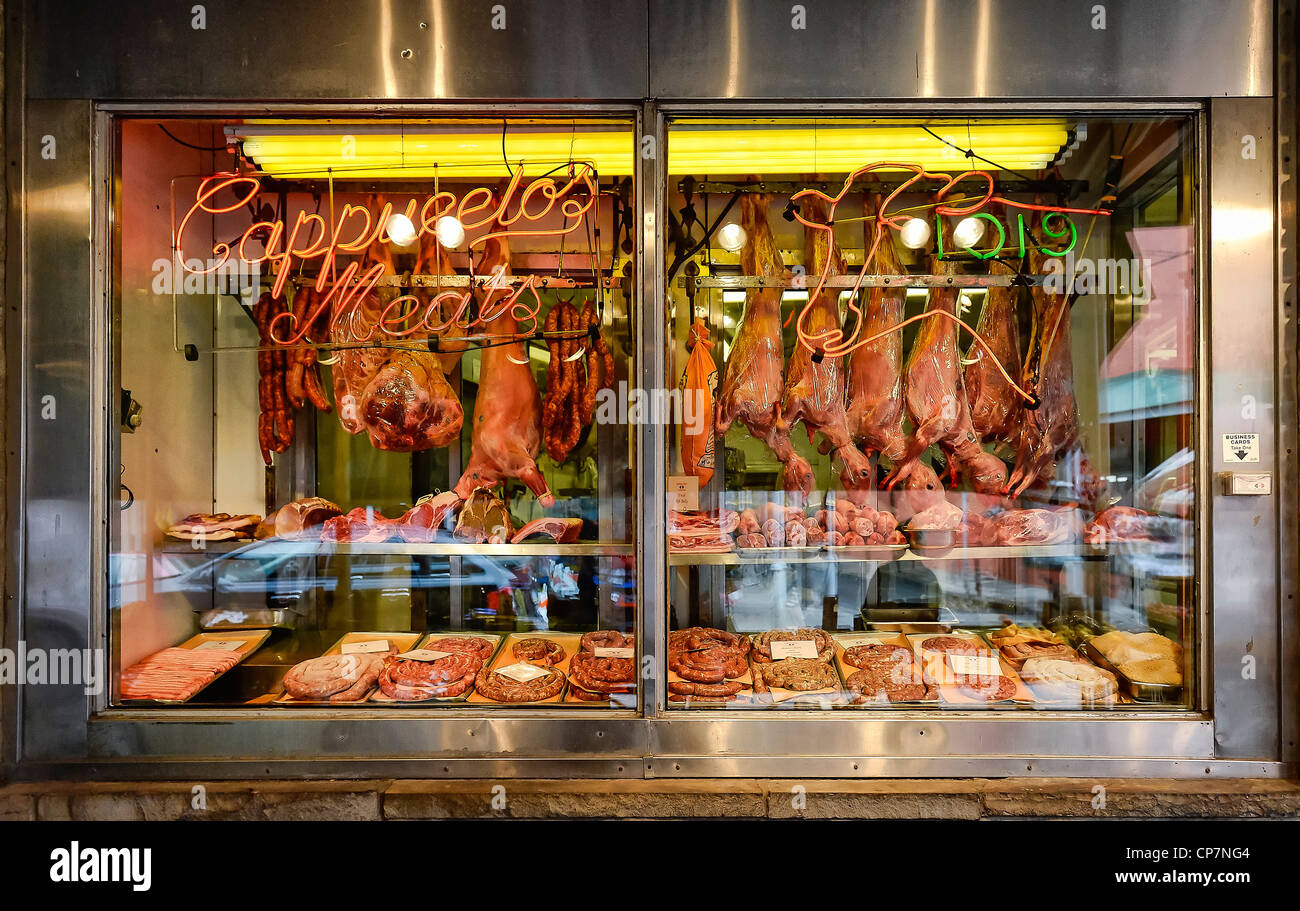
(944, 622)
(881, 552)
(1158, 693)
(253, 618)
(777, 553)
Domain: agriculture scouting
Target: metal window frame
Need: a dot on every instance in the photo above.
(580, 743)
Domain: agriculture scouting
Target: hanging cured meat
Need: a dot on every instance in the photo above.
(814, 386)
(1049, 430)
(407, 405)
(508, 409)
(699, 381)
(302, 381)
(357, 363)
(994, 405)
(752, 384)
(875, 377)
(935, 395)
(275, 421)
(580, 365)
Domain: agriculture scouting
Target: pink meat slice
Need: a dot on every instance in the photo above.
(562, 531)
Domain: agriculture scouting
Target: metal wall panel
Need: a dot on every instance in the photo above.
(1288, 349)
(625, 49)
(1245, 670)
(907, 49)
(337, 49)
(58, 356)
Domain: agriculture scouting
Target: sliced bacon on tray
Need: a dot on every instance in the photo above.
(175, 674)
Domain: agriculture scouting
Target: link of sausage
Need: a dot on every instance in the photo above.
(686, 688)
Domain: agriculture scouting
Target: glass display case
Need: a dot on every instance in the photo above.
(360, 459)
(936, 442)
(652, 390)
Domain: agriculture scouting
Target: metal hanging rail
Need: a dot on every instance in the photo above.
(808, 283)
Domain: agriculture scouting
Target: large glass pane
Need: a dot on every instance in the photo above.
(361, 455)
(934, 446)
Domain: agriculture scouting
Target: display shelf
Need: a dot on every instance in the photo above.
(1021, 552)
(280, 547)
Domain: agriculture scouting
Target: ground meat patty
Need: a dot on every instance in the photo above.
(475, 646)
(544, 651)
(989, 689)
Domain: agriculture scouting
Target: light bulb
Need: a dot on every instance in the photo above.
(968, 232)
(451, 233)
(400, 230)
(915, 233)
(731, 237)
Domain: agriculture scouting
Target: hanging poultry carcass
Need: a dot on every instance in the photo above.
(814, 386)
(752, 382)
(1050, 430)
(935, 395)
(875, 374)
(508, 408)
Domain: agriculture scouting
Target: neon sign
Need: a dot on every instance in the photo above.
(518, 212)
(1054, 222)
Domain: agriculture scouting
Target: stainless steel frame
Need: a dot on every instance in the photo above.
(64, 479)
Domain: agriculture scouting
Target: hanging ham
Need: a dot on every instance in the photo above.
(752, 383)
(1051, 429)
(397, 395)
(814, 386)
(699, 380)
(935, 395)
(875, 376)
(994, 405)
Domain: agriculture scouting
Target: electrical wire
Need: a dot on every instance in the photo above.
(681, 258)
(970, 153)
(189, 145)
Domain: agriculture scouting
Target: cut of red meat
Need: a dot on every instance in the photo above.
(562, 531)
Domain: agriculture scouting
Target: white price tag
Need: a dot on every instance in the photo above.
(424, 654)
(683, 492)
(225, 645)
(614, 652)
(372, 645)
(523, 672)
(975, 665)
(1240, 447)
(792, 648)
